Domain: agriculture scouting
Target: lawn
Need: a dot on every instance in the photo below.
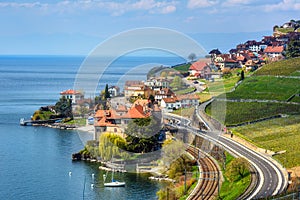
(184, 91)
(296, 73)
(276, 135)
(296, 99)
(232, 190)
(239, 112)
(204, 96)
(266, 87)
(222, 85)
(78, 122)
(185, 111)
(285, 30)
(281, 68)
(183, 68)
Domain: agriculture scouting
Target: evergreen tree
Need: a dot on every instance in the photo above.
(293, 49)
(242, 75)
(106, 92)
(64, 107)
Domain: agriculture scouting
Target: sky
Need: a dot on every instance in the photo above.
(76, 27)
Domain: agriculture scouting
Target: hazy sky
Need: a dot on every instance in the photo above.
(77, 26)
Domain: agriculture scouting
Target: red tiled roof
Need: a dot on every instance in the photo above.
(198, 66)
(274, 49)
(188, 96)
(229, 60)
(170, 100)
(142, 102)
(109, 114)
(240, 58)
(70, 91)
(104, 122)
(136, 112)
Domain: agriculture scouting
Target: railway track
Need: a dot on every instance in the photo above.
(207, 187)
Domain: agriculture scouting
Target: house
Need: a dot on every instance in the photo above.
(274, 51)
(290, 24)
(114, 91)
(157, 82)
(170, 104)
(254, 46)
(200, 69)
(137, 89)
(133, 89)
(106, 121)
(111, 121)
(226, 61)
(121, 109)
(73, 95)
(163, 93)
(241, 47)
(189, 100)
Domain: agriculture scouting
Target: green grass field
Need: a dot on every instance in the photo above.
(222, 85)
(239, 112)
(296, 73)
(183, 68)
(232, 190)
(184, 91)
(280, 68)
(266, 87)
(296, 99)
(276, 135)
(78, 122)
(285, 30)
(204, 96)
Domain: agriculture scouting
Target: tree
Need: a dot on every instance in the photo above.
(151, 98)
(142, 134)
(176, 83)
(293, 49)
(82, 110)
(106, 92)
(192, 56)
(237, 169)
(164, 74)
(111, 145)
(242, 75)
(64, 107)
(172, 150)
(144, 127)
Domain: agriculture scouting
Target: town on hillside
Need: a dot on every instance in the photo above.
(173, 106)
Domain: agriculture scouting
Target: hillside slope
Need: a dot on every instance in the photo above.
(289, 67)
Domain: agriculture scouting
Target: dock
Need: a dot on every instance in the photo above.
(24, 122)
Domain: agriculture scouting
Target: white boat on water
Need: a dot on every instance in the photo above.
(113, 183)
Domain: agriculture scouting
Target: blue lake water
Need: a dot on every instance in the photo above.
(35, 161)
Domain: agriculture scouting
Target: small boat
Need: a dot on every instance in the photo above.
(114, 183)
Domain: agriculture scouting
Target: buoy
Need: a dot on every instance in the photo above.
(92, 185)
(70, 173)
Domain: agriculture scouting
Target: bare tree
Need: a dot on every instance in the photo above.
(192, 57)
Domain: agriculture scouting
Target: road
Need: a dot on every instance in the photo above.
(272, 179)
